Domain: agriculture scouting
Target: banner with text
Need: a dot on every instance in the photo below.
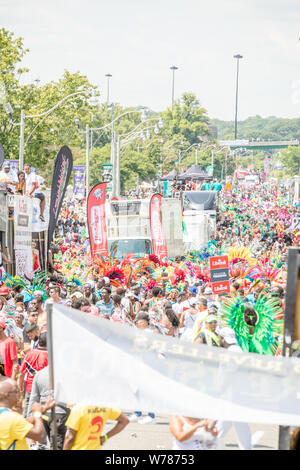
(158, 237)
(127, 368)
(79, 180)
(61, 175)
(97, 221)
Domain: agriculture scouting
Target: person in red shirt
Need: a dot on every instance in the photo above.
(8, 354)
(34, 360)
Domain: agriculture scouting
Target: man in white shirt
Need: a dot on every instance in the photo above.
(9, 177)
(32, 189)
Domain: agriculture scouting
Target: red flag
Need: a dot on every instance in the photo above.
(96, 220)
(158, 237)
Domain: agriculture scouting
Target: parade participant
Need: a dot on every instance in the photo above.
(33, 190)
(8, 354)
(4, 258)
(208, 334)
(105, 304)
(21, 185)
(14, 429)
(8, 177)
(193, 433)
(33, 361)
(85, 425)
(31, 334)
(89, 294)
(39, 394)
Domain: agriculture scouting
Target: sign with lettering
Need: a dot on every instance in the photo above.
(218, 262)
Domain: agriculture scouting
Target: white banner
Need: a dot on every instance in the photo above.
(101, 363)
(22, 222)
(23, 262)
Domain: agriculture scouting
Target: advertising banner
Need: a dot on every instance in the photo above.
(97, 221)
(22, 222)
(79, 180)
(107, 176)
(158, 237)
(219, 272)
(130, 369)
(61, 175)
(1, 156)
(3, 212)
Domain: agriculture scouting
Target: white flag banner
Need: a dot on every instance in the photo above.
(101, 363)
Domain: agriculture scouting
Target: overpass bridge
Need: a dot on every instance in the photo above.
(266, 145)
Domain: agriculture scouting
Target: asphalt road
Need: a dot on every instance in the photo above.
(158, 437)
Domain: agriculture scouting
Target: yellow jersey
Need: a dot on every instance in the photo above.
(13, 430)
(88, 422)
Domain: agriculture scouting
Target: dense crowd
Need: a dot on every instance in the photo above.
(165, 297)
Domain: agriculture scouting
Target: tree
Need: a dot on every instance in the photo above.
(58, 128)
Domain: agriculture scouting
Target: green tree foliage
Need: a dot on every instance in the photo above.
(43, 137)
(256, 127)
(290, 158)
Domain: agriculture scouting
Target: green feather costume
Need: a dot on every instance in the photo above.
(257, 328)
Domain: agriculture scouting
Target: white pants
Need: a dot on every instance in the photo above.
(242, 430)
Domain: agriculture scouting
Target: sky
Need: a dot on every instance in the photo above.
(137, 41)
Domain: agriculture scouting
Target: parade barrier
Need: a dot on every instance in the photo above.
(97, 362)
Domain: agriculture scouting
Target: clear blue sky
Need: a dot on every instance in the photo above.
(138, 40)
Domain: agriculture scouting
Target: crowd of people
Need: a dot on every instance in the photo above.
(164, 297)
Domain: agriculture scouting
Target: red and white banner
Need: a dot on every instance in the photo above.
(218, 262)
(158, 237)
(219, 271)
(97, 221)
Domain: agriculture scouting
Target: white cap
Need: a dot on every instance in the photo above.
(228, 334)
(208, 290)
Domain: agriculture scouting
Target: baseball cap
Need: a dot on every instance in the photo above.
(4, 290)
(193, 301)
(193, 289)
(208, 290)
(77, 294)
(228, 334)
(6, 165)
(211, 318)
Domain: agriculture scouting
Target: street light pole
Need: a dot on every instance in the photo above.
(173, 68)
(21, 148)
(87, 162)
(112, 153)
(108, 76)
(238, 57)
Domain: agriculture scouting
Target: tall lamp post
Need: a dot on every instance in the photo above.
(237, 57)
(108, 76)
(173, 68)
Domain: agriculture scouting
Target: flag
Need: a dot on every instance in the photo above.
(101, 363)
(96, 220)
(158, 237)
(61, 175)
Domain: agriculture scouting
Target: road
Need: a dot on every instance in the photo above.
(158, 437)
